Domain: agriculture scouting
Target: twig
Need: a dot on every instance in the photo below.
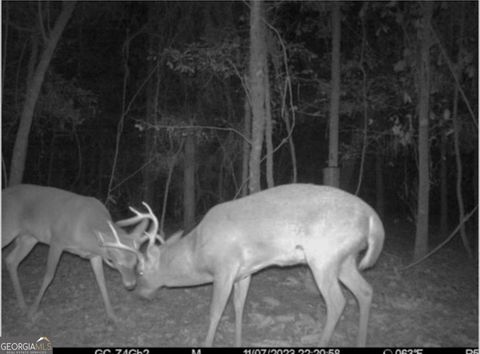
(365, 103)
(134, 173)
(288, 87)
(452, 71)
(443, 243)
(193, 126)
(125, 110)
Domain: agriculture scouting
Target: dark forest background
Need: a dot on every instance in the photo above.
(138, 97)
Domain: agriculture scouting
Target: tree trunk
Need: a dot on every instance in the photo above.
(443, 184)
(423, 84)
(475, 99)
(189, 183)
(331, 173)
(459, 178)
(456, 139)
(257, 92)
(268, 131)
(247, 121)
(19, 154)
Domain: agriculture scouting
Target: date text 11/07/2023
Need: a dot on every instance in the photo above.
(282, 350)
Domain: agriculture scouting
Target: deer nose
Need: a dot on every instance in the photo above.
(129, 284)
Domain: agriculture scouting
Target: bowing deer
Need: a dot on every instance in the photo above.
(320, 226)
(67, 222)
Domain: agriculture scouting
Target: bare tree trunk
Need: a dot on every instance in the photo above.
(458, 153)
(268, 131)
(458, 184)
(423, 84)
(247, 121)
(475, 99)
(257, 91)
(19, 154)
(365, 103)
(331, 173)
(443, 184)
(189, 183)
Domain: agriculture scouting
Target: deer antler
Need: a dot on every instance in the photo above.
(117, 244)
(152, 233)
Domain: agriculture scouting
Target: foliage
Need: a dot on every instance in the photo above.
(63, 104)
(198, 53)
(222, 58)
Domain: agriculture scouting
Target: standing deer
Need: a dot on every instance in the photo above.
(321, 226)
(67, 222)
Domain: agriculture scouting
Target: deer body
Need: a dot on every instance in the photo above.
(66, 222)
(321, 226)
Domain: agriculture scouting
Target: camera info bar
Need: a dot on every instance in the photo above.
(218, 350)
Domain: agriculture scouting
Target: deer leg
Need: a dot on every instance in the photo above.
(353, 280)
(240, 289)
(222, 286)
(23, 246)
(52, 262)
(326, 278)
(97, 265)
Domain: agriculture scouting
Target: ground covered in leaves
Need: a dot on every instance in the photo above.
(433, 304)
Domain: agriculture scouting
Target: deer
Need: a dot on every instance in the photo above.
(320, 226)
(68, 222)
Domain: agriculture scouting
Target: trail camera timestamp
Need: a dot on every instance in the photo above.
(291, 351)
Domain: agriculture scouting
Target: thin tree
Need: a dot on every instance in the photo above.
(456, 139)
(34, 86)
(257, 91)
(268, 131)
(331, 174)
(423, 86)
(189, 182)
(443, 181)
(247, 130)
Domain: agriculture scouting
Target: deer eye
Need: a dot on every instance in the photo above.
(109, 262)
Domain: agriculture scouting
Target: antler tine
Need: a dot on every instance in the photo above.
(117, 243)
(135, 211)
(133, 220)
(115, 234)
(153, 231)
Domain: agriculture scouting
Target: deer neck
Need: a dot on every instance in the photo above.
(179, 264)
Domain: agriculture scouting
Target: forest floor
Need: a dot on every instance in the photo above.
(434, 304)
